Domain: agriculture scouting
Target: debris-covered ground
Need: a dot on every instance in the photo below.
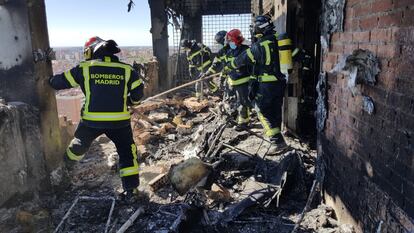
(198, 174)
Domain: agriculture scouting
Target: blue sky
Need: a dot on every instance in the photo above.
(72, 22)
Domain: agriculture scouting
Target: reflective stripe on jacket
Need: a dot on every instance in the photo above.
(264, 56)
(241, 74)
(109, 86)
(198, 59)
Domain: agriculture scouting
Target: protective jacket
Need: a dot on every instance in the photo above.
(264, 55)
(198, 59)
(109, 86)
(219, 61)
(241, 74)
(269, 89)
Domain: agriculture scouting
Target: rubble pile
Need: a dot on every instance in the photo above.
(322, 219)
(197, 174)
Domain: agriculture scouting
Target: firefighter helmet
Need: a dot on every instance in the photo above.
(236, 36)
(220, 37)
(185, 43)
(262, 25)
(111, 47)
(96, 47)
(91, 46)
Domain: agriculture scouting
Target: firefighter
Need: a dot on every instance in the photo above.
(109, 87)
(271, 58)
(220, 60)
(239, 78)
(199, 60)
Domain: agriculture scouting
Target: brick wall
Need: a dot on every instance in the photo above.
(70, 106)
(370, 158)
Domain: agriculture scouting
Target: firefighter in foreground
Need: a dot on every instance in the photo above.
(109, 86)
(271, 57)
(238, 79)
(199, 60)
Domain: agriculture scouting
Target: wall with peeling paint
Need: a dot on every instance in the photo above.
(368, 139)
(30, 142)
(14, 37)
(22, 167)
(16, 55)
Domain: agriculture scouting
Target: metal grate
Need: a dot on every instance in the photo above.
(211, 24)
(177, 62)
(214, 23)
(210, 7)
(175, 37)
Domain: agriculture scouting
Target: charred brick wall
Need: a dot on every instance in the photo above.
(370, 158)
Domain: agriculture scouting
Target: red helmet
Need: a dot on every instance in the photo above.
(91, 46)
(236, 36)
(97, 47)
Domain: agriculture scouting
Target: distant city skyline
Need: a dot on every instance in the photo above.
(71, 23)
(68, 57)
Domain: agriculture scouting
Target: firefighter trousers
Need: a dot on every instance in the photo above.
(243, 102)
(268, 104)
(124, 142)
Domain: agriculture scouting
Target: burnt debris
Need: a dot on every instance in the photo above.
(368, 105)
(361, 67)
(321, 109)
(209, 178)
(332, 19)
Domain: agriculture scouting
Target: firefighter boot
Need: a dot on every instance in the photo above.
(241, 127)
(69, 164)
(130, 185)
(278, 144)
(128, 197)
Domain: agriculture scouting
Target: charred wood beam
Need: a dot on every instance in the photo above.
(219, 147)
(215, 131)
(217, 138)
(207, 142)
